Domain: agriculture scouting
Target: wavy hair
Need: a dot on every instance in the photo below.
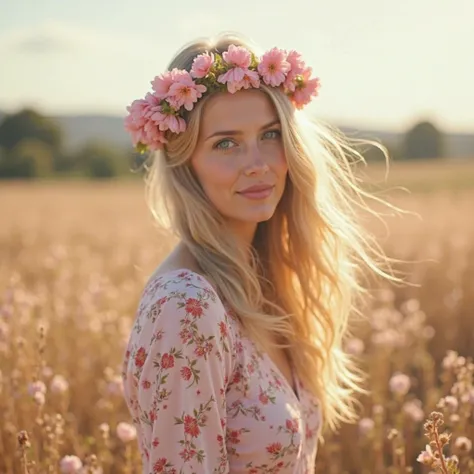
(301, 284)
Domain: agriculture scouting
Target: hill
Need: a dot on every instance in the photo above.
(79, 129)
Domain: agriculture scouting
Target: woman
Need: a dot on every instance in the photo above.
(235, 362)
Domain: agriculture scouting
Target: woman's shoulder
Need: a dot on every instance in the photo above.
(182, 290)
(182, 280)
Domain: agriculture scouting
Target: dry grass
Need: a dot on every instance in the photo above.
(74, 259)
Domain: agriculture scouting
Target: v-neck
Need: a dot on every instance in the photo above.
(293, 386)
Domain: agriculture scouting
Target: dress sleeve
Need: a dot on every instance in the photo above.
(181, 363)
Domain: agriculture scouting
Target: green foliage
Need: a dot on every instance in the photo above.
(424, 140)
(30, 158)
(29, 124)
(100, 161)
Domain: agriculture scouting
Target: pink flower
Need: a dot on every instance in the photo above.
(413, 410)
(366, 425)
(273, 67)
(237, 56)
(202, 65)
(400, 384)
(59, 384)
(297, 66)
(463, 444)
(142, 122)
(184, 91)
(250, 79)
(306, 89)
(126, 432)
(161, 85)
(70, 465)
(171, 122)
(426, 457)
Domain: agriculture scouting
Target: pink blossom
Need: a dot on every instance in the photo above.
(297, 66)
(70, 464)
(39, 398)
(400, 384)
(238, 78)
(426, 457)
(59, 384)
(250, 79)
(307, 89)
(161, 84)
(413, 410)
(366, 425)
(237, 56)
(273, 67)
(37, 387)
(154, 138)
(463, 444)
(126, 432)
(173, 123)
(184, 91)
(202, 65)
(141, 122)
(355, 346)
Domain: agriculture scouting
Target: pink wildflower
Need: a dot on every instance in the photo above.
(306, 89)
(426, 457)
(161, 84)
(273, 67)
(237, 56)
(202, 65)
(70, 465)
(126, 432)
(297, 66)
(171, 122)
(463, 444)
(366, 425)
(413, 409)
(250, 79)
(140, 122)
(184, 91)
(400, 384)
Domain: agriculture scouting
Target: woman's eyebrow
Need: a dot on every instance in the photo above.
(221, 133)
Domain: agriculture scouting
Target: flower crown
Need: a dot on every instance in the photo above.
(177, 91)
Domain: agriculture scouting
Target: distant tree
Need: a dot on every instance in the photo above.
(372, 153)
(30, 158)
(100, 161)
(424, 140)
(28, 123)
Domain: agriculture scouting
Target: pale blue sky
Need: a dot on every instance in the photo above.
(382, 63)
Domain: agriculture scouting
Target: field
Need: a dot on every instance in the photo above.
(74, 257)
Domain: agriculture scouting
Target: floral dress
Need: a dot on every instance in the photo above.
(202, 396)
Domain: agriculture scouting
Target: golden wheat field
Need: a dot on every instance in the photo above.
(74, 258)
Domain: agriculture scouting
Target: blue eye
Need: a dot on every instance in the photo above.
(272, 134)
(224, 144)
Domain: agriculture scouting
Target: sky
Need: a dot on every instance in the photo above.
(384, 64)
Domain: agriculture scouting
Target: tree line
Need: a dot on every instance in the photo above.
(32, 146)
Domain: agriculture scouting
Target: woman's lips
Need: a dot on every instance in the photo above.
(258, 193)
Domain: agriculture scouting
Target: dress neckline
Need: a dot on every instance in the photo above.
(293, 385)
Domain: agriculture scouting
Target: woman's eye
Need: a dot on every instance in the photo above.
(272, 134)
(224, 145)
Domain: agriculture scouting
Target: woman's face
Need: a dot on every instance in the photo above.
(240, 147)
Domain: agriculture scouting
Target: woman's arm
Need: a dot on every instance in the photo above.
(180, 381)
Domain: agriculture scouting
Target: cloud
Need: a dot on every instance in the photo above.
(58, 38)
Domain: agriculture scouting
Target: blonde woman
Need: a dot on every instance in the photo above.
(235, 360)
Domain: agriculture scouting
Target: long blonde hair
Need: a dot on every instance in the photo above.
(300, 286)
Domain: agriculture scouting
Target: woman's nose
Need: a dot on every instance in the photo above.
(256, 164)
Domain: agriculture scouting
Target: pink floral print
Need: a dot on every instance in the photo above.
(203, 398)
